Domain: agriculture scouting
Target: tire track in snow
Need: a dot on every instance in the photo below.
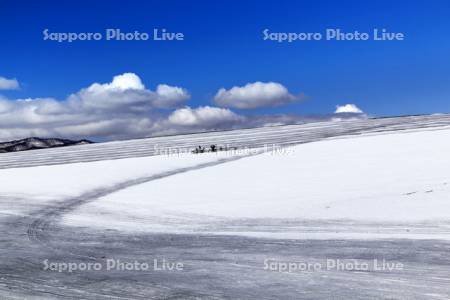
(258, 137)
(44, 219)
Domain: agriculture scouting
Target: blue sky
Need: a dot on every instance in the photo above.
(223, 47)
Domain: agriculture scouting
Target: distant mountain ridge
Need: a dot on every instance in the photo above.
(34, 143)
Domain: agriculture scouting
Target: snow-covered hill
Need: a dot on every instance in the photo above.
(357, 191)
(256, 137)
(371, 186)
(373, 178)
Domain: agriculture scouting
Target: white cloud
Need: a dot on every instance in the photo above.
(204, 116)
(8, 84)
(254, 95)
(126, 81)
(170, 96)
(348, 108)
(126, 92)
(122, 108)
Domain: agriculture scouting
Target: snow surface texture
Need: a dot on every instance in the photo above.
(349, 187)
(256, 137)
(52, 183)
(385, 179)
(363, 190)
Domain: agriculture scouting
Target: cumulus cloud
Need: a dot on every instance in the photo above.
(255, 95)
(348, 108)
(122, 108)
(204, 116)
(170, 96)
(8, 84)
(126, 92)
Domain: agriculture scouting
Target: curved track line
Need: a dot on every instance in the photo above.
(45, 218)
